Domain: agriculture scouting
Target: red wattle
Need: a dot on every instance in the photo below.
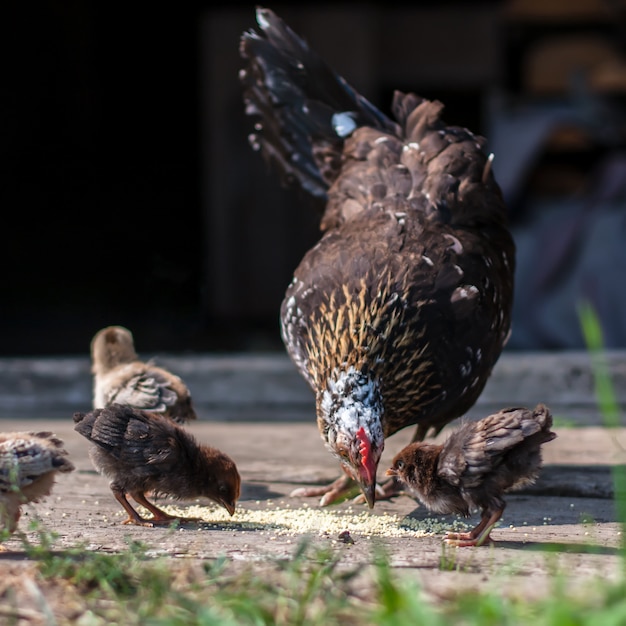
(368, 469)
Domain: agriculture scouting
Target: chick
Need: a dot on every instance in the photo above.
(121, 377)
(141, 451)
(476, 465)
(29, 463)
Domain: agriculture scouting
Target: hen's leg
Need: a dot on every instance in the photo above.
(337, 490)
(478, 536)
(385, 491)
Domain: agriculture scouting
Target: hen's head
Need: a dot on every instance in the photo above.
(349, 417)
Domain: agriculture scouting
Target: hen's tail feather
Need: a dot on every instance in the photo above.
(305, 108)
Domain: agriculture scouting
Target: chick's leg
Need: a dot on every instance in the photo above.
(133, 516)
(332, 493)
(478, 536)
(9, 517)
(160, 517)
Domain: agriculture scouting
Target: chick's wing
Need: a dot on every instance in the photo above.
(132, 437)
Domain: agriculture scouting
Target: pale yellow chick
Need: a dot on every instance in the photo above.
(120, 377)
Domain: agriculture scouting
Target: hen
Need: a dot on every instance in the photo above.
(398, 314)
(141, 451)
(475, 466)
(120, 377)
(29, 463)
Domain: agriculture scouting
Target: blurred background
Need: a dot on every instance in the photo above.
(130, 195)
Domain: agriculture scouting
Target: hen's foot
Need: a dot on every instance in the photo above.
(338, 490)
(385, 491)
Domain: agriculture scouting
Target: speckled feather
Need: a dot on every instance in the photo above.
(119, 376)
(411, 283)
(29, 463)
(478, 463)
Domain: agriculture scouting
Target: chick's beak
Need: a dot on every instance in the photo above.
(391, 472)
(229, 506)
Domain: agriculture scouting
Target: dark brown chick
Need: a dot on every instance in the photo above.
(476, 465)
(145, 452)
(119, 376)
(398, 314)
(29, 463)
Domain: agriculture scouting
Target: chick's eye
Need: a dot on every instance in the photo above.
(400, 465)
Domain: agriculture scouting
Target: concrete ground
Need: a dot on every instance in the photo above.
(566, 522)
(569, 512)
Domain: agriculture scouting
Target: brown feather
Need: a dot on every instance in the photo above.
(477, 464)
(144, 452)
(398, 314)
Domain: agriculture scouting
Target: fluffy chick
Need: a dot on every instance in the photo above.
(121, 377)
(141, 451)
(476, 465)
(29, 462)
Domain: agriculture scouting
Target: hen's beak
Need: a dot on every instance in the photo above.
(367, 481)
(369, 491)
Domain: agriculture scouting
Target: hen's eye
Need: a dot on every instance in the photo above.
(343, 453)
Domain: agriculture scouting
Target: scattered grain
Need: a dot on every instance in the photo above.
(309, 521)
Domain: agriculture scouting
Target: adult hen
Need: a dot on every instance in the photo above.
(119, 376)
(398, 314)
(475, 466)
(29, 463)
(141, 451)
